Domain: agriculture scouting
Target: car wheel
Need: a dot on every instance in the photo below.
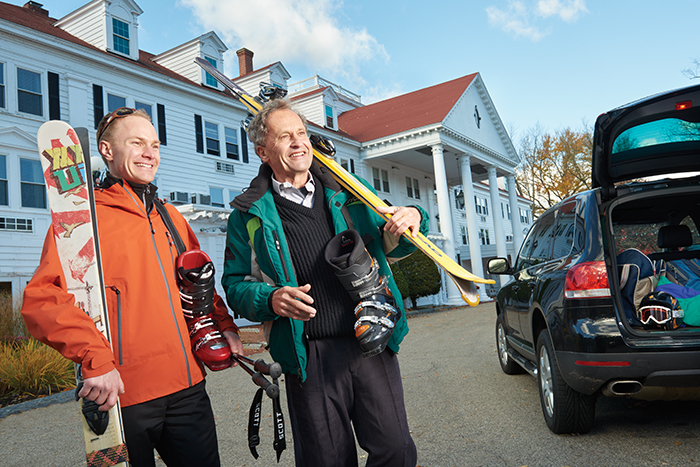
(508, 365)
(565, 410)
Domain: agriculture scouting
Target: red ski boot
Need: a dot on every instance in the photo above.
(195, 274)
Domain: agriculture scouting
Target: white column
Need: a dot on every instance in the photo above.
(453, 295)
(497, 217)
(496, 213)
(514, 214)
(472, 229)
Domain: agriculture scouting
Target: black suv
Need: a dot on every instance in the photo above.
(587, 310)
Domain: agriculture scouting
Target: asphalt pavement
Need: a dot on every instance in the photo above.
(462, 410)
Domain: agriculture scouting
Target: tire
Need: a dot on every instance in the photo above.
(508, 365)
(565, 410)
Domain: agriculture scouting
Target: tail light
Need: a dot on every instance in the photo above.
(587, 280)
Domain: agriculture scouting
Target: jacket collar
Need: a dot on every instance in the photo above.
(262, 184)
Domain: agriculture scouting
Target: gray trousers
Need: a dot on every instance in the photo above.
(345, 390)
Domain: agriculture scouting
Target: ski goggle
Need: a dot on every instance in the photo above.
(120, 112)
(657, 314)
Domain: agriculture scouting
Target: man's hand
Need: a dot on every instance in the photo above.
(234, 342)
(103, 389)
(402, 218)
(293, 302)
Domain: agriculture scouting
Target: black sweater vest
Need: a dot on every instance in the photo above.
(308, 231)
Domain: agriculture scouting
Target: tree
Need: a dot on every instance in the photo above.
(554, 167)
(421, 275)
(694, 71)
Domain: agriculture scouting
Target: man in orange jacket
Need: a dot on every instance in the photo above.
(150, 365)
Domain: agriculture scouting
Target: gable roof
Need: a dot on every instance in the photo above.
(402, 113)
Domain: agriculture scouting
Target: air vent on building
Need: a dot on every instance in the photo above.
(225, 167)
(198, 198)
(179, 197)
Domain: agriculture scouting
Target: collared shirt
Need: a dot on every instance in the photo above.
(303, 195)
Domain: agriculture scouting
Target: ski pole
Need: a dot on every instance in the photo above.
(272, 390)
(274, 369)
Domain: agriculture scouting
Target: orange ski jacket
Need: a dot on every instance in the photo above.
(150, 342)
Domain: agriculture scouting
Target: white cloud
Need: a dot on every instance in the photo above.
(568, 10)
(520, 17)
(514, 20)
(303, 32)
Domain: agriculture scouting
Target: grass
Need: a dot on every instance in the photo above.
(28, 367)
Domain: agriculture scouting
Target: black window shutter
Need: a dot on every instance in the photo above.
(198, 133)
(54, 98)
(162, 136)
(244, 146)
(98, 106)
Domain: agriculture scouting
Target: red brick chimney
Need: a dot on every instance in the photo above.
(36, 7)
(245, 61)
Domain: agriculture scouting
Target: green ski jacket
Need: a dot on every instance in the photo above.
(257, 260)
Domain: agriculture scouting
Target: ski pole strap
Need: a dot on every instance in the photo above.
(254, 423)
(254, 417)
(179, 244)
(280, 444)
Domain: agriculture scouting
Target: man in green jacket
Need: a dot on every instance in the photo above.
(275, 272)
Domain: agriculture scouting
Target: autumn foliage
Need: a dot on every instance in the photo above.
(554, 166)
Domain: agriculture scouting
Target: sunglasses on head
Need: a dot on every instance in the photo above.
(120, 112)
(657, 314)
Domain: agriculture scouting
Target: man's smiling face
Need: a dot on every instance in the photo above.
(287, 148)
(133, 150)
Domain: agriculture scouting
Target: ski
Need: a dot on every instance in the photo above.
(324, 151)
(68, 178)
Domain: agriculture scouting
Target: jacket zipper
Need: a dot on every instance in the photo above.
(278, 246)
(119, 322)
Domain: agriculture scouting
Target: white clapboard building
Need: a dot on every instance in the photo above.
(444, 147)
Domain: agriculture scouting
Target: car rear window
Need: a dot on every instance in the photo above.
(668, 135)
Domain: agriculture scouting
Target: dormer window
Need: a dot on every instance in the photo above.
(209, 79)
(329, 116)
(120, 35)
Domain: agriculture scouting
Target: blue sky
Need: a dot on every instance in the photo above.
(556, 63)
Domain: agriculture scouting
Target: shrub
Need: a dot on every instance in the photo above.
(421, 274)
(11, 322)
(28, 367)
(400, 280)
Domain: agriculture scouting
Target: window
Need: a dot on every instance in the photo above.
(120, 35)
(217, 197)
(484, 235)
(231, 136)
(209, 80)
(524, 218)
(348, 164)
(29, 98)
(463, 231)
(145, 107)
(211, 131)
(482, 206)
(381, 180)
(2, 85)
(32, 180)
(4, 201)
(329, 116)
(114, 102)
(412, 190)
(19, 225)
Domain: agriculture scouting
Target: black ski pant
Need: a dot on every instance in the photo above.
(179, 426)
(345, 390)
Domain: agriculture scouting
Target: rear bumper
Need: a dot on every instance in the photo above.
(587, 372)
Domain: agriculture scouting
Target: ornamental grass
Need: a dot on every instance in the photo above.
(28, 367)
